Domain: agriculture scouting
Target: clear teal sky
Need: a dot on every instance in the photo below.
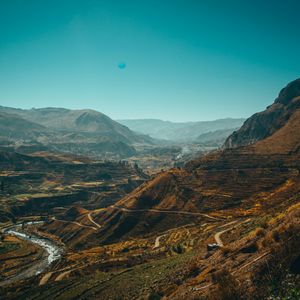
(185, 60)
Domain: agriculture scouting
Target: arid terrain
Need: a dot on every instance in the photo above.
(223, 225)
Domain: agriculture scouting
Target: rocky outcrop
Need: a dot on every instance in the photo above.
(264, 124)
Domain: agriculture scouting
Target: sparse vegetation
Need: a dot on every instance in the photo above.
(225, 250)
(179, 248)
(154, 296)
(227, 286)
(259, 232)
(286, 289)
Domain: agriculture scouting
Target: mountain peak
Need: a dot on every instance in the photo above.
(291, 91)
(266, 123)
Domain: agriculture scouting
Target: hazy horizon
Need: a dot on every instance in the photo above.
(176, 60)
(120, 119)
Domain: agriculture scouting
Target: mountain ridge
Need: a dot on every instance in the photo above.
(180, 131)
(82, 120)
(80, 131)
(263, 124)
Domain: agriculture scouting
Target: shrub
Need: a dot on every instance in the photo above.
(228, 286)
(263, 223)
(154, 296)
(179, 248)
(194, 270)
(251, 247)
(276, 236)
(225, 250)
(260, 232)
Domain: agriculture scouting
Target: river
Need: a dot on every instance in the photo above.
(53, 253)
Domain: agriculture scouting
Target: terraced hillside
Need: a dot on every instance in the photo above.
(39, 184)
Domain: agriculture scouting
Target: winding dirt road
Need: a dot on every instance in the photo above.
(75, 223)
(217, 236)
(167, 212)
(157, 241)
(91, 219)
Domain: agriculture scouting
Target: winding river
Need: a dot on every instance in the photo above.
(53, 253)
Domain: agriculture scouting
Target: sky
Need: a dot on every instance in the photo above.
(177, 60)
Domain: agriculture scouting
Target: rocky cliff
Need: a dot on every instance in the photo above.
(264, 124)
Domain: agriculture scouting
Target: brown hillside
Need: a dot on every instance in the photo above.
(228, 179)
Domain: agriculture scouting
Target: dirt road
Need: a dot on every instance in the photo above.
(167, 212)
(91, 219)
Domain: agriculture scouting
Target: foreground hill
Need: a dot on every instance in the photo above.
(183, 132)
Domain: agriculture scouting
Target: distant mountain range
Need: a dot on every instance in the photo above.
(185, 132)
(89, 132)
(77, 131)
